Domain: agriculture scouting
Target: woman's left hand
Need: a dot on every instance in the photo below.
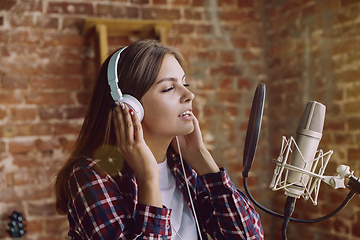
(194, 151)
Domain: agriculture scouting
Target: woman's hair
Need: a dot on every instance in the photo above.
(138, 68)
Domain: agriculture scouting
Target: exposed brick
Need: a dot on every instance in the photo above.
(342, 138)
(180, 2)
(83, 97)
(22, 20)
(27, 161)
(350, 14)
(227, 57)
(43, 146)
(341, 227)
(66, 144)
(75, 112)
(355, 229)
(3, 113)
(2, 147)
(334, 125)
(206, 56)
(225, 70)
(159, 2)
(34, 226)
(346, 3)
(227, 83)
(26, 36)
(193, 14)
(197, 3)
(47, 113)
(354, 123)
(10, 97)
(184, 28)
(69, 83)
(23, 114)
(349, 76)
(47, 22)
(240, 42)
(68, 68)
(228, 97)
(353, 154)
(45, 98)
(73, 23)
(352, 107)
(26, 130)
(28, 6)
(161, 13)
(70, 8)
(140, 1)
(345, 46)
(245, 3)
(21, 147)
(7, 4)
(117, 11)
(57, 226)
(204, 29)
(66, 128)
(242, 84)
(14, 82)
(44, 209)
(61, 39)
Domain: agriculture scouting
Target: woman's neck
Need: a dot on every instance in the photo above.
(158, 148)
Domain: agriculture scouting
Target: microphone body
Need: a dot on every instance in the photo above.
(308, 136)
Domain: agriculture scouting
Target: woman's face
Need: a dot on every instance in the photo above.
(168, 102)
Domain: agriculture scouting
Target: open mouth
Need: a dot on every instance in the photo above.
(186, 113)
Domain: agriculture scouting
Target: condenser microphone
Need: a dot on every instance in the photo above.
(308, 136)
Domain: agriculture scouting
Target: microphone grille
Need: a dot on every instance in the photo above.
(313, 117)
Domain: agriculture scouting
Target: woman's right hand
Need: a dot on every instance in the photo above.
(137, 155)
(131, 143)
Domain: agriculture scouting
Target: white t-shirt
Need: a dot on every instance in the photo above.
(181, 217)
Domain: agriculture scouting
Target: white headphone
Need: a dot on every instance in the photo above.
(116, 94)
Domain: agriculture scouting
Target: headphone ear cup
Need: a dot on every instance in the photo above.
(134, 104)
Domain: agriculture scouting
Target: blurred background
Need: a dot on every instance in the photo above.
(301, 49)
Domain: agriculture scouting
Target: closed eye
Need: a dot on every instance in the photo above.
(171, 88)
(168, 89)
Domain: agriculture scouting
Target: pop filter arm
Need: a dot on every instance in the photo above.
(251, 141)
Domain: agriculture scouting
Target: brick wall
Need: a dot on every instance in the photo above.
(47, 70)
(313, 53)
(302, 50)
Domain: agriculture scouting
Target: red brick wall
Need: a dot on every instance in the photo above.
(312, 53)
(302, 50)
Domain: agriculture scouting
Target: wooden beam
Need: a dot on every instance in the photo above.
(105, 28)
(101, 40)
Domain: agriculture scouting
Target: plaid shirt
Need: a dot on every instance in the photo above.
(104, 204)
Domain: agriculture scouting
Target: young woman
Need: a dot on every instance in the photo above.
(125, 180)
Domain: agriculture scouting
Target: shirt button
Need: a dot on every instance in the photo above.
(167, 226)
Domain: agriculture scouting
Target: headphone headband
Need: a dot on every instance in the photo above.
(112, 75)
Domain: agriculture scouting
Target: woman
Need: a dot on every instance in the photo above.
(124, 178)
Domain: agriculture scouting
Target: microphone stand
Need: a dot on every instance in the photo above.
(288, 210)
(355, 184)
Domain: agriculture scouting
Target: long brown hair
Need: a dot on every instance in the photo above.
(138, 68)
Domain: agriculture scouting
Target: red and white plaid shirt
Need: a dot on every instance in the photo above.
(104, 204)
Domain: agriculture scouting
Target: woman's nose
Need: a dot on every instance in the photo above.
(188, 96)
